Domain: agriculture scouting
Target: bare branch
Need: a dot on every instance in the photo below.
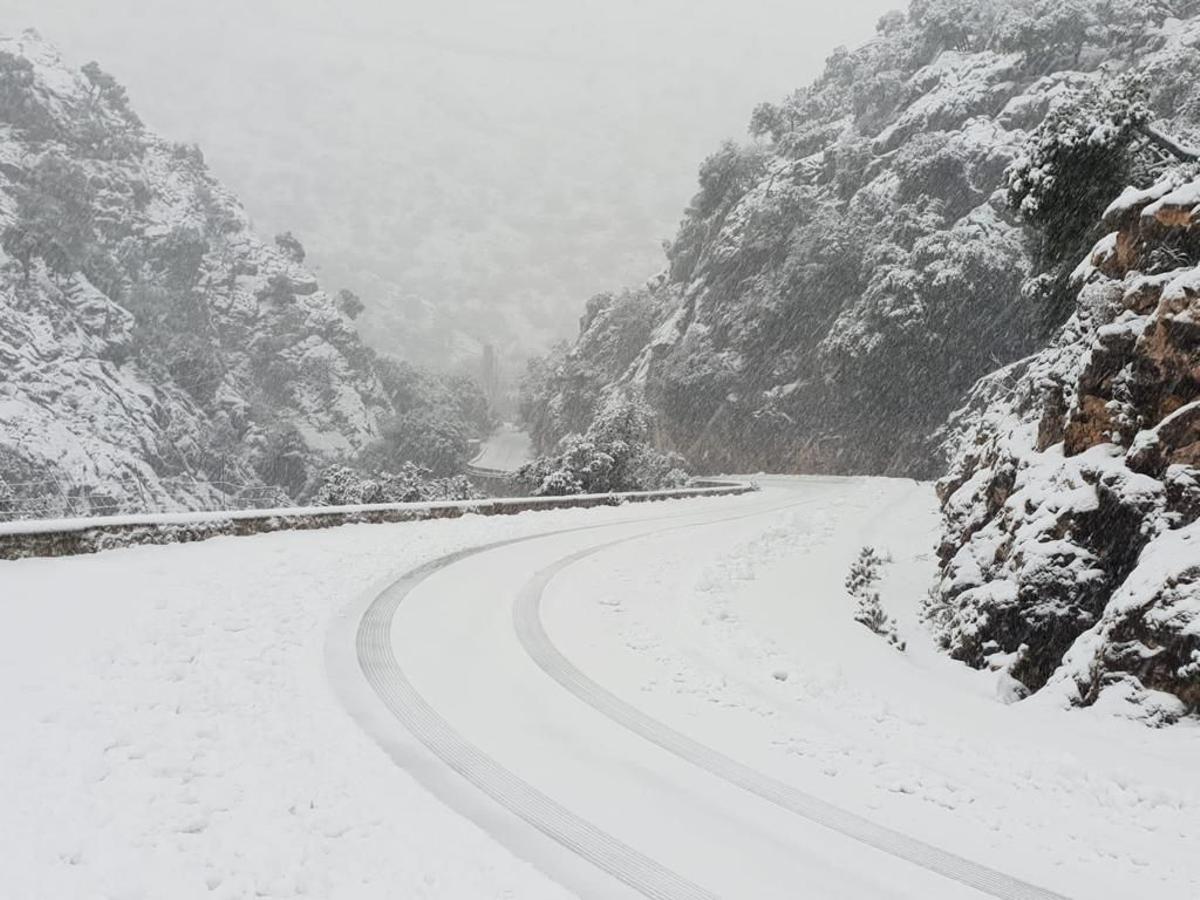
(1172, 146)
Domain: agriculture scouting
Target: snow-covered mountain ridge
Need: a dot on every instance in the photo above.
(1071, 547)
(156, 353)
(840, 281)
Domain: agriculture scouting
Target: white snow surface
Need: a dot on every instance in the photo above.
(168, 726)
(505, 450)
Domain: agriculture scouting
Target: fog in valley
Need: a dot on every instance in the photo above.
(474, 170)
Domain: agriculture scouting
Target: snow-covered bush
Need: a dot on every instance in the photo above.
(291, 247)
(869, 611)
(1078, 159)
(614, 455)
(864, 571)
(343, 486)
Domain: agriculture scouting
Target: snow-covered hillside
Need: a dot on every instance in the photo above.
(156, 353)
(839, 282)
(1071, 551)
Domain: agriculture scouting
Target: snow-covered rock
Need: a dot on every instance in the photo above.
(154, 352)
(1069, 554)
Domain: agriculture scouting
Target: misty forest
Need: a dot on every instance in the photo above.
(810, 394)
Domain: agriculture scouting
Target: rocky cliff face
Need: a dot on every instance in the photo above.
(1071, 552)
(838, 284)
(154, 352)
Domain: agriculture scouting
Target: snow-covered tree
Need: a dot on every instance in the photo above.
(291, 246)
(345, 486)
(1094, 141)
(963, 25)
(108, 90)
(349, 303)
(1077, 160)
(869, 611)
(614, 455)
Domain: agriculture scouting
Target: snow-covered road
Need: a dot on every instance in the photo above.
(585, 763)
(654, 700)
(506, 450)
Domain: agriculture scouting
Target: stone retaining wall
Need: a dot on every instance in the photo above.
(74, 536)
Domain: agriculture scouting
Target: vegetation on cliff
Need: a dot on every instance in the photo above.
(156, 353)
(1072, 505)
(892, 232)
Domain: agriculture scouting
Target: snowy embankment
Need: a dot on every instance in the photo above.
(751, 649)
(169, 728)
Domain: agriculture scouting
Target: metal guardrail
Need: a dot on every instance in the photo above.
(68, 537)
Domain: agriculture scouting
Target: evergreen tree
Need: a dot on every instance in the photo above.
(291, 246)
(349, 303)
(869, 611)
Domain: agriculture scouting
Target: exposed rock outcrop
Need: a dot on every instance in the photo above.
(1071, 552)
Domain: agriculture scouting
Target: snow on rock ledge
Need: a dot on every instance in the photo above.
(1070, 554)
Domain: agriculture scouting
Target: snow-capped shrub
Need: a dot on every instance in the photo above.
(559, 483)
(614, 455)
(343, 486)
(869, 611)
(1078, 159)
(864, 571)
(290, 246)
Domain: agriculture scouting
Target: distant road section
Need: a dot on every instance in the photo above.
(506, 450)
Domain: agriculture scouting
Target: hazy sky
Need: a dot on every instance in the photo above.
(474, 155)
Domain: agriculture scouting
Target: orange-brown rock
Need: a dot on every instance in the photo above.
(1153, 374)
(1075, 565)
(1090, 424)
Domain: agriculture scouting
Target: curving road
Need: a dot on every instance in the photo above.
(453, 671)
(506, 450)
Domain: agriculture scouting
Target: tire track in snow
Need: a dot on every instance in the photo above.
(377, 659)
(383, 672)
(531, 632)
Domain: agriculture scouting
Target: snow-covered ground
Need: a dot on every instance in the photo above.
(173, 720)
(167, 729)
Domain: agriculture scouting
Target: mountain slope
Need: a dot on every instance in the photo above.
(838, 284)
(155, 351)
